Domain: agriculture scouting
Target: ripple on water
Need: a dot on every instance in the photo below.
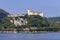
(22, 36)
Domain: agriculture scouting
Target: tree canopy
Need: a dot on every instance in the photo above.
(5, 22)
(37, 21)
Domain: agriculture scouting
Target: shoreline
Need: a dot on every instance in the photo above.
(27, 32)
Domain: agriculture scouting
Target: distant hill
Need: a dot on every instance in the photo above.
(54, 20)
(3, 13)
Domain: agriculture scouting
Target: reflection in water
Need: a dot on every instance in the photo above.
(20, 36)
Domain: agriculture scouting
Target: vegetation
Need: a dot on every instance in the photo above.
(35, 23)
(5, 23)
(39, 22)
(53, 20)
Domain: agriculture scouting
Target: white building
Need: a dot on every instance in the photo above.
(30, 12)
(15, 15)
(18, 21)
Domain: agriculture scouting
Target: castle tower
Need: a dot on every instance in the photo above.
(29, 12)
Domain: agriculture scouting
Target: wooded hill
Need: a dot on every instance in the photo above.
(53, 20)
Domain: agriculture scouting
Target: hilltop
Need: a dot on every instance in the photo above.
(3, 13)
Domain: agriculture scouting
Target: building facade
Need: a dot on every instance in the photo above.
(18, 20)
(30, 12)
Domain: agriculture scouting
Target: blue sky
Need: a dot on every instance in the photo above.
(51, 8)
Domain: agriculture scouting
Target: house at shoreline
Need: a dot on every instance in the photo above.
(18, 19)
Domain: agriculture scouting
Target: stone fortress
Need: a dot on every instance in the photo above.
(30, 12)
(20, 20)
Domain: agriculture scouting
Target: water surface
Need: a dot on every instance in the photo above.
(24, 36)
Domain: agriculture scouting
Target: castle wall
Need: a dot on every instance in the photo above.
(30, 12)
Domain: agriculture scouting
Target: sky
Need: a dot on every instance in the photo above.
(50, 8)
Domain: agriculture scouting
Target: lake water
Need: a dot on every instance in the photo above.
(24, 36)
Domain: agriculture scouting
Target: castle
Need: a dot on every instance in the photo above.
(30, 12)
(18, 19)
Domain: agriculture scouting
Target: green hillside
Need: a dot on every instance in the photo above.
(54, 20)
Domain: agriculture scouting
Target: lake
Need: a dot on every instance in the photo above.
(25, 36)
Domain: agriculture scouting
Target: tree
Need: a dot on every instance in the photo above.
(5, 22)
(37, 21)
